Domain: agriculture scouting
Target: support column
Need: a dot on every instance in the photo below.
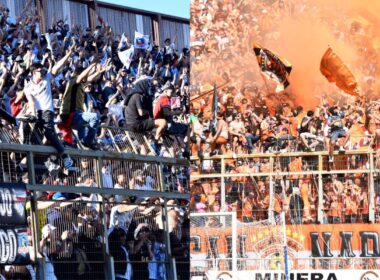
(156, 22)
(222, 185)
(161, 178)
(271, 198)
(92, 14)
(108, 261)
(234, 244)
(39, 260)
(320, 190)
(371, 187)
(170, 260)
(41, 13)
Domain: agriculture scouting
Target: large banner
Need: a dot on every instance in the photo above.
(13, 225)
(296, 275)
(303, 241)
(12, 205)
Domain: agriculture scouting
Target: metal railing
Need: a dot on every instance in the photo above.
(100, 180)
(113, 139)
(242, 170)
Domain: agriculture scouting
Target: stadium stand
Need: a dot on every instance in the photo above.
(93, 129)
(309, 152)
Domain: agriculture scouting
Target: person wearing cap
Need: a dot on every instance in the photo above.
(141, 252)
(40, 98)
(47, 232)
(162, 110)
(122, 78)
(169, 47)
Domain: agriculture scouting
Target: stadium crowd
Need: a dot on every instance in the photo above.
(67, 86)
(251, 118)
(75, 78)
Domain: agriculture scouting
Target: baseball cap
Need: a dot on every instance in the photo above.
(47, 229)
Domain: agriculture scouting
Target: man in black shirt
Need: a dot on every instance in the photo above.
(137, 115)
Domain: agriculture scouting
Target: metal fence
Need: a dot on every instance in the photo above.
(85, 204)
(112, 139)
(85, 238)
(229, 178)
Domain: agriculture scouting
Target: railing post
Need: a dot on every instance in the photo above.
(222, 185)
(234, 244)
(161, 177)
(40, 273)
(271, 198)
(108, 268)
(165, 224)
(320, 190)
(371, 187)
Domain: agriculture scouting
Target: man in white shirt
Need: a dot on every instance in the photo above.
(40, 98)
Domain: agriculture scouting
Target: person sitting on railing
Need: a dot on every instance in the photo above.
(237, 131)
(337, 130)
(308, 132)
(221, 136)
(197, 135)
(164, 109)
(137, 115)
(39, 94)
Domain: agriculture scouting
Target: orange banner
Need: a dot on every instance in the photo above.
(319, 240)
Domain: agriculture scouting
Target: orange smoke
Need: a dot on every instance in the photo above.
(301, 33)
(304, 42)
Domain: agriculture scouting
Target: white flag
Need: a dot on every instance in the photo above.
(123, 42)
(126, 56)
(141, 41)
(48, 40)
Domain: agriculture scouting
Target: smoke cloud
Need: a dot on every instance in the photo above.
(301, 32)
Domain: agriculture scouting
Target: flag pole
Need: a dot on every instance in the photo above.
(266, 84)
(285, 247)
